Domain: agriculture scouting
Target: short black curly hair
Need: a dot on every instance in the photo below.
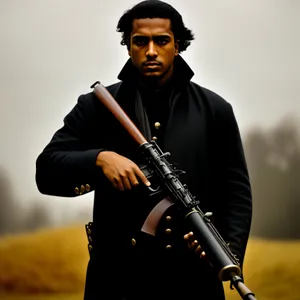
(155, 9)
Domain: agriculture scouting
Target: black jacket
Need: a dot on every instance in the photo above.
(202, 135)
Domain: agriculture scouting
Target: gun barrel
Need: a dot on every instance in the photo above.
(213, 249)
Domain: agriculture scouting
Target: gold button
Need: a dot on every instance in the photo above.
(133, 242)
(87, 187)
(77, 191)
(82, 189)
(156, 125)
(168, 218)
(168, 230)
(154, 138)
(168, 247)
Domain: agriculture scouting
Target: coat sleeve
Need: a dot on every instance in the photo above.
(67, 165)
(236, 199)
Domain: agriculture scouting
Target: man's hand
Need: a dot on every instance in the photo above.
(193, 244)
(123, 173)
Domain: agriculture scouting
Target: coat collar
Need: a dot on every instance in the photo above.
(182, 72)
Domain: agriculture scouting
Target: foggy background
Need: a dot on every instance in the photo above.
(52, 51)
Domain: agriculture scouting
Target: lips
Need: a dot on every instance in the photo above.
(151, 63)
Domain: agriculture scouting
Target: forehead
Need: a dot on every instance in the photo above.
(148, 27)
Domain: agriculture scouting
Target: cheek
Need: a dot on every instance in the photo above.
(136, 58)
(135, 53)
(171, 53)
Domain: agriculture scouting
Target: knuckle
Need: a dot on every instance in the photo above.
(115, 178)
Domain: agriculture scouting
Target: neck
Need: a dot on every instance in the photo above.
(153, 83)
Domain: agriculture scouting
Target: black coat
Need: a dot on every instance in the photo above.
(202, 135)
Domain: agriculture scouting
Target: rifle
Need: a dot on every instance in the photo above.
(216, 249)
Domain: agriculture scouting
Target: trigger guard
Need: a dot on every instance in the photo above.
(155, 184)
(153, 190)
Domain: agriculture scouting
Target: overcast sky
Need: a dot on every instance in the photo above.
(53, 50)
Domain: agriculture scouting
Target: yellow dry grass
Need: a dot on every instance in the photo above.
(51, 264)
(272, 270)
(46, 261)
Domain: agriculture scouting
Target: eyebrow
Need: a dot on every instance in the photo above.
(166, 35)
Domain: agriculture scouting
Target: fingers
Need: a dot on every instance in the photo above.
(133, 180)
(129, 180)
(118, 184)
(193, 244)
(200, 252)
(188, 236)
(142, 176)
(123, 173)
(127, 183)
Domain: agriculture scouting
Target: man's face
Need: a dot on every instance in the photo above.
(152, 48)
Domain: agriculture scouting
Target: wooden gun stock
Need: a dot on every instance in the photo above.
(111, 104)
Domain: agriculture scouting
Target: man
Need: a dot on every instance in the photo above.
(93, 152)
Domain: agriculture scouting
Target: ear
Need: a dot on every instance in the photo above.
(176, 47)
(128, 48)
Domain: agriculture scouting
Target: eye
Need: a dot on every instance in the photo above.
(140, 40)
(162, 40)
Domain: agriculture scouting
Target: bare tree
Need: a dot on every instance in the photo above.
(274, 163)
(9, 223)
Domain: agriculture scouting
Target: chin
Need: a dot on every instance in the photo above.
(153, 75)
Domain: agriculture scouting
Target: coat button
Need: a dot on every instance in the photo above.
(82, 189)
(77, 191)
(154, 138)
(156, 125)
(168, 218)
(168, 230)
(133, 242)
(168, 247)
(87, 187)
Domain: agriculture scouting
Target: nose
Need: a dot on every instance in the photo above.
(152, 51)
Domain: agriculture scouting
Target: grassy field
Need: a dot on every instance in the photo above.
(271, 270)
(50, 264)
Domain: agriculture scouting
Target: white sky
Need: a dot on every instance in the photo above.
(53, 50)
